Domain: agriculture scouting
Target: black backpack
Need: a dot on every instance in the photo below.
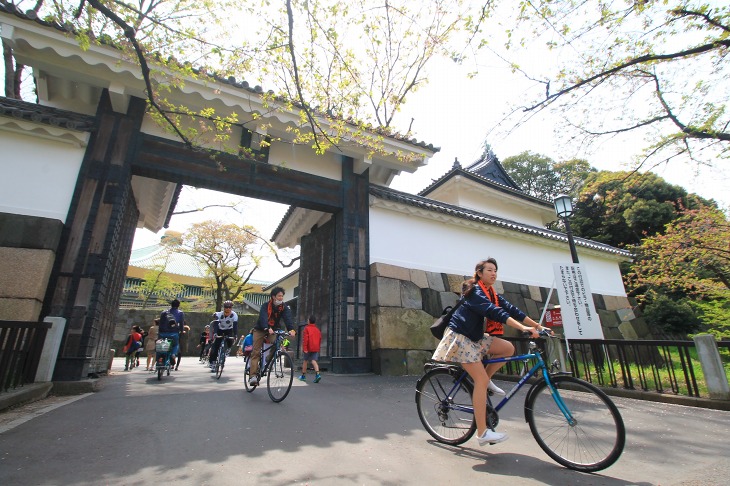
(170, 322)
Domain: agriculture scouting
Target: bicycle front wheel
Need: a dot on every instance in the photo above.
(247, 375)
(448, 418)
(220, 363)
(280, 376)
(595, 438)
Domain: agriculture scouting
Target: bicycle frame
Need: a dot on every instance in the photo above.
(539, 366)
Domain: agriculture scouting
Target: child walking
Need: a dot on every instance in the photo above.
(311, 340)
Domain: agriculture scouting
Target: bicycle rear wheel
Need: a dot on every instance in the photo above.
(595, 439)
(280, 375)
(446, 418)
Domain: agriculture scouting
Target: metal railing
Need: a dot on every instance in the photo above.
(21, 345)
(657, 366)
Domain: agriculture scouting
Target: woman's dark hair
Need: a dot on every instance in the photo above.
(175, 303)
(468, 286)
(276, 290)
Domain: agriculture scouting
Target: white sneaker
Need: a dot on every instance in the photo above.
(491, 437)
(253, 381)
(495, 389)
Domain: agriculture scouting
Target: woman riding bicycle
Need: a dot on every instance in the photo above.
(465, 341)
(270, 315)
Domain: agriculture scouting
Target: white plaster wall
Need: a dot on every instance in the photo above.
(38, 174)
(416, 242)
(304, 159)
(501, 206)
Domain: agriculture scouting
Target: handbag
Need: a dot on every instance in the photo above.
(439, 325)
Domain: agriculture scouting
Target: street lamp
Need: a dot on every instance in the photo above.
(564, 210)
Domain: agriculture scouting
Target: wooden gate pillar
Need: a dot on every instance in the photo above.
(349, 338)
(96, 242)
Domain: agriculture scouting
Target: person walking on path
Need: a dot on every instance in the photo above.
(133, 343)
(270, 317)
(149, 345)
(311, 342)
(184, 333)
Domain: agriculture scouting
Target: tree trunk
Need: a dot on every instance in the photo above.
(12, 78)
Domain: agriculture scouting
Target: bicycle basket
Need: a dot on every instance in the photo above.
(163, 345)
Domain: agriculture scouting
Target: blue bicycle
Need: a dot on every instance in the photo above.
(163, 357)
(574, 422)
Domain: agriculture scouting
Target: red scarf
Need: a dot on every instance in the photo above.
(274, 313)
(491, 327)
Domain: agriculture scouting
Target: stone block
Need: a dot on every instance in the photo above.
(641, 328)
(608, 318)
(416, 358)
(453, 282)
(534, 293)
(410, 295)
(389, 271)
(626, 331)
(419, 278)
(389, 362)
(431, 300)
(20, 309)
(435, 281)
(625, 314)
(385, 292)
(447, 299)
(599, 302)
(531, 309)
(17, 265)
(394, 328)
(499, 287)
(613, 333)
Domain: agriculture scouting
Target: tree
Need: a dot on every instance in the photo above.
(689, 264)
(622, 208)
(655, 68)
(158, 286)
(691, 256)
(344, 66)
(226, 251)
(539, 176)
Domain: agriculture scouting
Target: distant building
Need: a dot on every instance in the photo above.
(180, 268)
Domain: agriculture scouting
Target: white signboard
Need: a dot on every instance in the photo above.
(580, 319)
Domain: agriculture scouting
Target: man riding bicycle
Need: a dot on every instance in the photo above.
(225, 324)
(270, 317)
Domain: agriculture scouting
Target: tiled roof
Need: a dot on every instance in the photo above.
(45, 114)
(511, 189)
(177, 263)
(229, 80)
(456, 211)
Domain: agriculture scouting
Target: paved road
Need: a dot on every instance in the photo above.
(192, 429)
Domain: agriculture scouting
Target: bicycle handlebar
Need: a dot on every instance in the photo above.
(540, 333)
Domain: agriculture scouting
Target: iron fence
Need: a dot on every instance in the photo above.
(651, 365)
(21, 345)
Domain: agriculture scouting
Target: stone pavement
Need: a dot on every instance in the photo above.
(193, 429)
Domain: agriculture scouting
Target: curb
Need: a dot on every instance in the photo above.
(25, 394)
(33, 392)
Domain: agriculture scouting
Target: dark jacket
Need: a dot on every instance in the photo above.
(469, 317)
(262, 324)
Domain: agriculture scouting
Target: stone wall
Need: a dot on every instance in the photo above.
(405, 302)
(28, 247)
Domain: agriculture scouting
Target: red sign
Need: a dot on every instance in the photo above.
(553, 318)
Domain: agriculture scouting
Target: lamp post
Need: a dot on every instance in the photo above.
(564, 210)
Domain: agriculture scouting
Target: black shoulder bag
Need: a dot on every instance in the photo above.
(439, 326)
